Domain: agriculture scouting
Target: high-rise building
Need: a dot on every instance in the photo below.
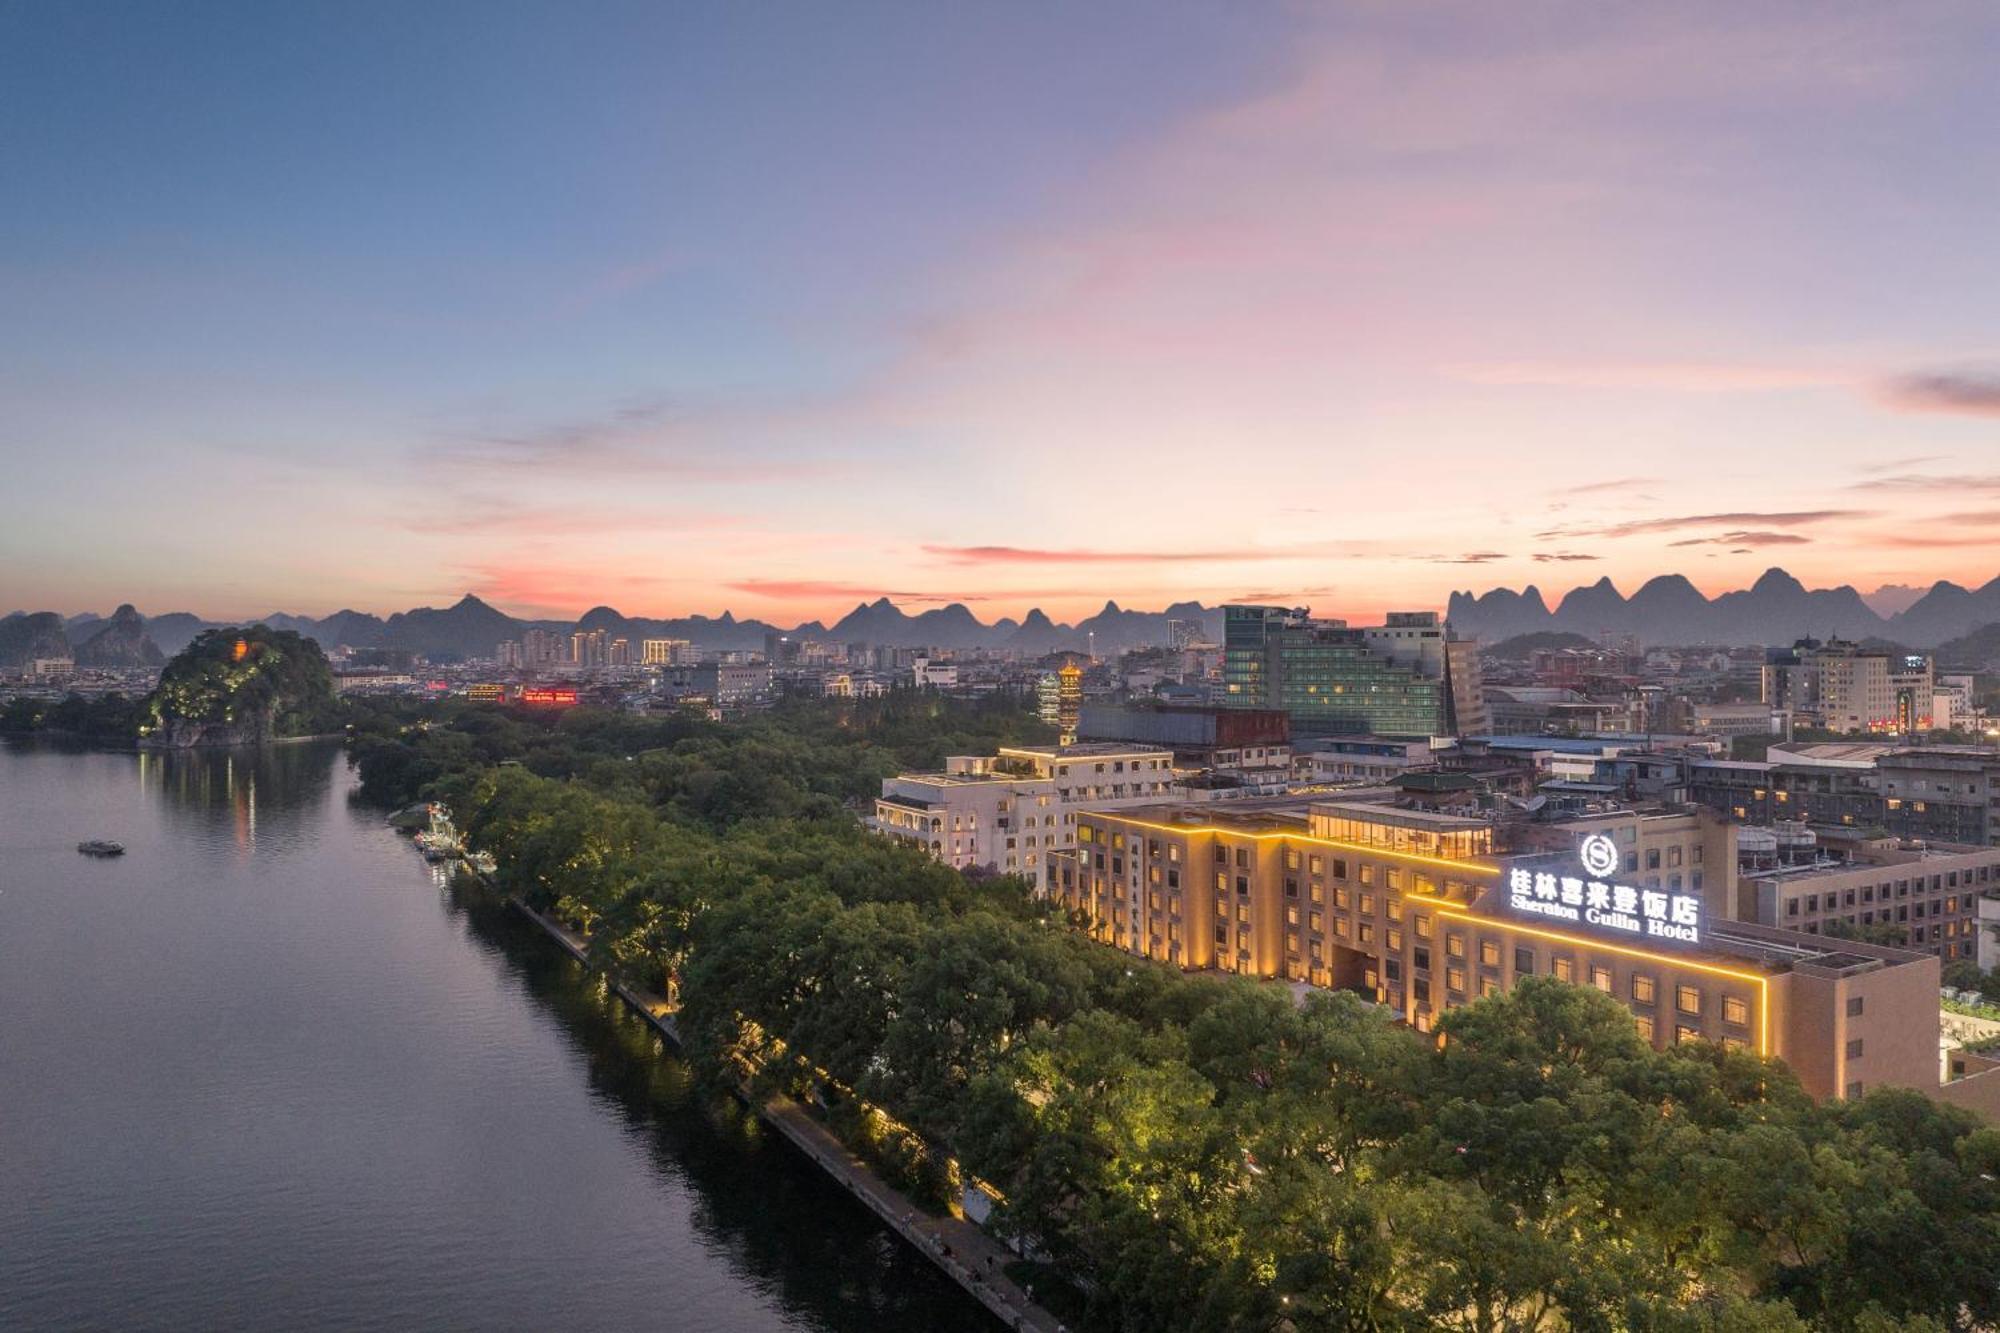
(541, 648)
(667, 652)
(1406, 677)
(1839, 686)
(618, 653)
(587, 647)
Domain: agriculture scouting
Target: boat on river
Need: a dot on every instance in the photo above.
(99, 847)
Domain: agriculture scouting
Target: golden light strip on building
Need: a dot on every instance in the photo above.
(1362, 848)
(1763, 983)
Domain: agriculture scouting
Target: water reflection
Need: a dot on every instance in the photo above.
(261, 1071)
(237, 789)
(779, 1218)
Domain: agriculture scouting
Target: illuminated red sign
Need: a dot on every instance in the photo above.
(558, 698)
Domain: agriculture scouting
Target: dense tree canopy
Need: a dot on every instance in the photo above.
(254, 683)
(1199, 1152)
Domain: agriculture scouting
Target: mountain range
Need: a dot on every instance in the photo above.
(1776, 609)
(472, 628)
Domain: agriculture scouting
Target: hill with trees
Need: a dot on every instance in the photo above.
(1524, 646)
(242, 686)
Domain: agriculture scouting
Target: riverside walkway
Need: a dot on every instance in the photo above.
(966, 1253)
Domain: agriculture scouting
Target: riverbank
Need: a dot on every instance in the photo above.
(960, 1249)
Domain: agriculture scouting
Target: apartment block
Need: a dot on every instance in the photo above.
(1927, 891)
(1007, 812)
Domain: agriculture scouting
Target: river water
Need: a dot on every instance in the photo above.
(266, 1072)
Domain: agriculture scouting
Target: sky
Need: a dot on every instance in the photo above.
(778, 307)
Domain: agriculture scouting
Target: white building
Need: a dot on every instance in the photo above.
(924, 672)
(1008, 811)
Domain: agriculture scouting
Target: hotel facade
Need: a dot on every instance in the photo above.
(1417, 911)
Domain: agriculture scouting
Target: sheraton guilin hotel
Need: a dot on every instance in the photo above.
(1424, 911)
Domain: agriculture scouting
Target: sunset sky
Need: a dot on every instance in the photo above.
(685, 307)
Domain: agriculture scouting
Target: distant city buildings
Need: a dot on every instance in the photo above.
(1406, 677)
(1841, 687)
(667, 652)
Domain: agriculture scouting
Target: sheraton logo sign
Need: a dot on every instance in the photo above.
(1593, 899)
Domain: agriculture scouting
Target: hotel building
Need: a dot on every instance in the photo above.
(1421, 912)
(1010, 811)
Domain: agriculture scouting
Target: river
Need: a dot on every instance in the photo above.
(265, 1071)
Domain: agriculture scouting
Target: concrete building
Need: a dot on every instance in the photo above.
(724, 684)
(1944, 793)
(1421, 913)
(1838, 686)
(1009, 811)
(1928, 892)
(1532, 710)
(1732, 720)
(666, 652)
(1336, 760)
(1406, 677)
(924, 673)
(1763, 792)
(1232, 739)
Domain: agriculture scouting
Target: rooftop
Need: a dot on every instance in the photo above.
(1088, 750)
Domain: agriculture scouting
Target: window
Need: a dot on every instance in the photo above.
(1562, 969)
(1687, 999)
(1854, 1090)
(1735, 1010)
(1524, 962)
(1600, 977)
(1489, 953)
(1454, 979)
(1643, 989)
(1644, 1022)
(1854, 1006)
(1454, 944)
(1423, 926)
(1854, 1048)
(1683, 1032)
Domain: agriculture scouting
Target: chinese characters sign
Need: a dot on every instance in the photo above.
(1589, 899)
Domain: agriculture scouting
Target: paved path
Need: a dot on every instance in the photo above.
(971, 1257)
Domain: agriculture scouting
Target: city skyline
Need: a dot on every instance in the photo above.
(777, 313)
